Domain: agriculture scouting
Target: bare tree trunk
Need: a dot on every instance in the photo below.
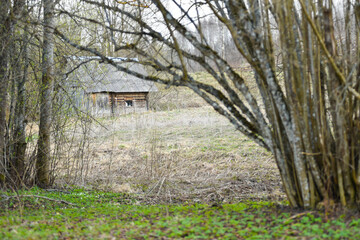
(43, 157)
(4, 26)
(19, 136)
(3, 107)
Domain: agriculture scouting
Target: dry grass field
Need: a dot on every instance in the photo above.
(181, 151)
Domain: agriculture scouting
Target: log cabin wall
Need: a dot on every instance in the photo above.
(118, 103)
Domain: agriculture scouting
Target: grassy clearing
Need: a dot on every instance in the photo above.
(104, 215)
(188, 153)
(183, 149)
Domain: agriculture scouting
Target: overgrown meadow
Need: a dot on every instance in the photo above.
(177, 171)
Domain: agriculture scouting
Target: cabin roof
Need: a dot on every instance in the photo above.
(95, 77)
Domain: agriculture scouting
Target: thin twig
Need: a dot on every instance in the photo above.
(57, 190)
(162, 182)
(36, 196)
(298, 215)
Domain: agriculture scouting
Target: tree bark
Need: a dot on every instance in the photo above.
(44, 149)
(4, 81)
(19, 135)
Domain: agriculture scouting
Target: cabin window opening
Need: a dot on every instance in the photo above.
(129, 103)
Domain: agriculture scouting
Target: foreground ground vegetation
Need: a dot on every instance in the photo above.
(83, 214)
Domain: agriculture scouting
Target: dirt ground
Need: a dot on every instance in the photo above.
(190, 154)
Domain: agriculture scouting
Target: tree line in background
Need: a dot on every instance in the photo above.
(304, 55)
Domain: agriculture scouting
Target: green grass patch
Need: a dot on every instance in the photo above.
(107, 215)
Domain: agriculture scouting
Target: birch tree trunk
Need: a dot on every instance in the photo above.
(44, 149)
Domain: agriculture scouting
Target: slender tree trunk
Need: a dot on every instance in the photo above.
(43, 157)
(4, 8)
(3, 106)
(19, 136)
